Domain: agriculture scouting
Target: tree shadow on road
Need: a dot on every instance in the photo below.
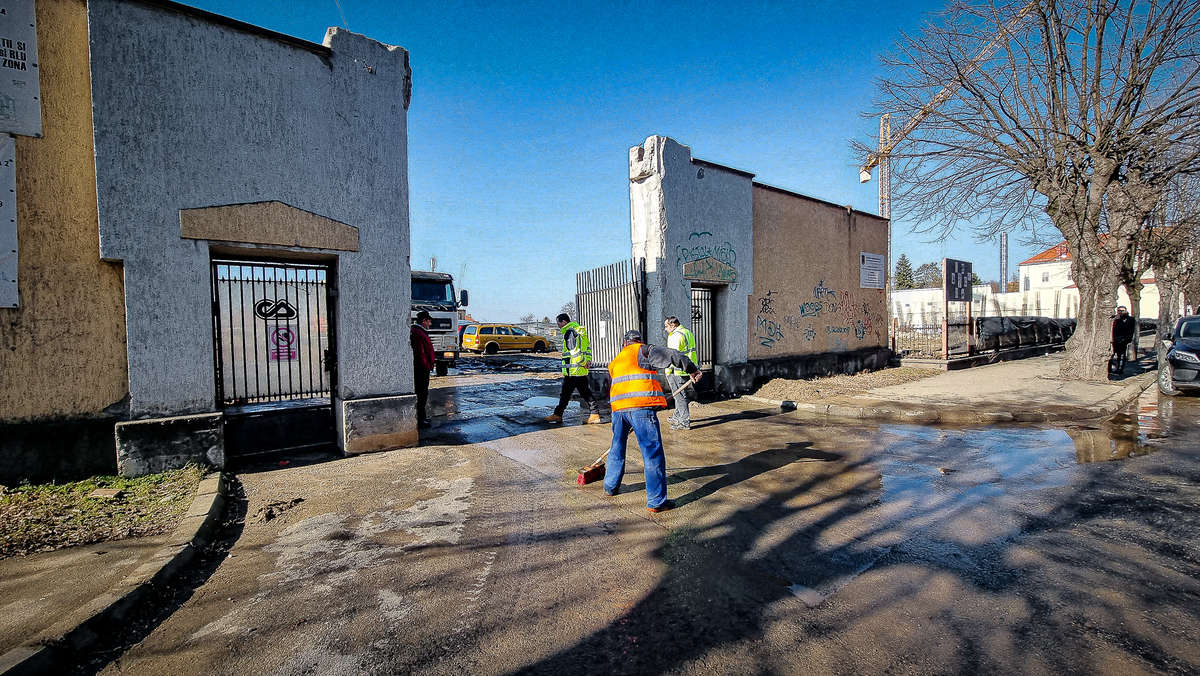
(1025, 598)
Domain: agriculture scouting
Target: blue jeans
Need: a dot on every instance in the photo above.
(643, 422)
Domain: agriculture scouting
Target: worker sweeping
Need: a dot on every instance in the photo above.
(635, 397)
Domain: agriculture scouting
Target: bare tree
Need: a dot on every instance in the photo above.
(528, 318)
(569, 308)
(1070, 109)
(1171, 244)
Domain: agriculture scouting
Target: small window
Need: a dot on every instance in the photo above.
(502, 330)
(470, 330)
(518, 332)
(1045, 276)
(486, 330)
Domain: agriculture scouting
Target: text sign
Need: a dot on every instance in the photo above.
(872, 270)
(957, 279)
(8, 222)
(20, 86)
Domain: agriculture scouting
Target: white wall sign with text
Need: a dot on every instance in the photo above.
(871, 270)
(20, 86)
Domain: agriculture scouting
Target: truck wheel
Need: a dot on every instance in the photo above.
(491, 348)
(441, 367)
(539, 346)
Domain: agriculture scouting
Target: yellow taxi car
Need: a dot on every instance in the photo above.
(491, 338)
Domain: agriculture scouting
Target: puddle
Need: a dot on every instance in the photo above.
(546, 402)
(1140, 429)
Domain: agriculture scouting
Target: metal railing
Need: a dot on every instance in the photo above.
(610, 301)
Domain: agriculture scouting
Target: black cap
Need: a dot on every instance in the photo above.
(633, 336)
(423, 315)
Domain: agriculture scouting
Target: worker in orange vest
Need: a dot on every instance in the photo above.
(636, 397)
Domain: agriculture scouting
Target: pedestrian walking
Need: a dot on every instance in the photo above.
(423, 361)
(576, 357)
(636, 397)
(681, 339)
(1124, 329)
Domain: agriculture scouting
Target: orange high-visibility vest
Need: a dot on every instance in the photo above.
(632, 385)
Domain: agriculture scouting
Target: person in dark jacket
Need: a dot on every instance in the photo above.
(1124, 328)
(423, 361)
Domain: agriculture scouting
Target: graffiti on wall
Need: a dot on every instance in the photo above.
(844, 317)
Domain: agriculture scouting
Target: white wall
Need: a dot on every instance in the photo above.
(682, 211)
(924, 306)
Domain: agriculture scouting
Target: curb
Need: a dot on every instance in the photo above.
(53, 649)
(947, 413)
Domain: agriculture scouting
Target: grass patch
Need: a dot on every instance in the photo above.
(45, 517)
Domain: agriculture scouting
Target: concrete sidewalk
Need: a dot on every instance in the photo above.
(57, 603)
(1025, 390)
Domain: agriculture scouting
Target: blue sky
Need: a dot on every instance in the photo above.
(522, 115)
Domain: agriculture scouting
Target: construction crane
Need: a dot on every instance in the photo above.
(887, 143)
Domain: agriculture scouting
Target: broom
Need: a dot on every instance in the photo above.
(595, 470)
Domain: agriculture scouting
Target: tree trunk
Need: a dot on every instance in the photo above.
(1168, 311)
(1089, 348)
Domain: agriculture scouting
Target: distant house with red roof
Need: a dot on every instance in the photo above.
(1051, 269)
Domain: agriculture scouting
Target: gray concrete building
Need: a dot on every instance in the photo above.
(781, 284)
(225, 150)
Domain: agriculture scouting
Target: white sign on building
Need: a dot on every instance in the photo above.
(20, 86)
(8, 222)
(871, 270)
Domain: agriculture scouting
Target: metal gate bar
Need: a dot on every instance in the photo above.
(271, 335)
(702, 324)
(609, 300)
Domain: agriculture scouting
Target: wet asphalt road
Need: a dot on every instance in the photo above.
(796, 548)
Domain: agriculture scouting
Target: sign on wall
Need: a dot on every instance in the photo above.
(20, 86)
(710, 269)
(8, 222)
(957, 280)
(872, 270)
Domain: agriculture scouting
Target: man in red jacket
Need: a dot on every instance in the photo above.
(423, 360)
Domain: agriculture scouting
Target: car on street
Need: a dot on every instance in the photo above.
(492, 338)
(1181, 372)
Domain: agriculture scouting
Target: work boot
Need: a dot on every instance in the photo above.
(667, 504)
(553, 418)
(594, 419)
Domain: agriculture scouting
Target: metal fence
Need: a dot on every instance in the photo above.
(702, 325)
(610, 301)
(924, 340)
(271, 329)
(958, 337)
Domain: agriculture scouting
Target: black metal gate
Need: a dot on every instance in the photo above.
(272, 350)
(610, 301)
(702, 324)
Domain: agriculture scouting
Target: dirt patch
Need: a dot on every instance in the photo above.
(45, 517)
(820, 389)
